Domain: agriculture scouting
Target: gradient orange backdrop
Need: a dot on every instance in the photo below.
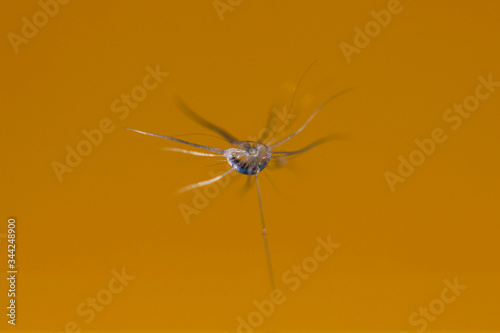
(115, 211)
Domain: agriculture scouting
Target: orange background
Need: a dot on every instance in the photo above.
(115, 210)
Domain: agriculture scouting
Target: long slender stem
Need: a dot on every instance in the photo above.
(264, 234)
